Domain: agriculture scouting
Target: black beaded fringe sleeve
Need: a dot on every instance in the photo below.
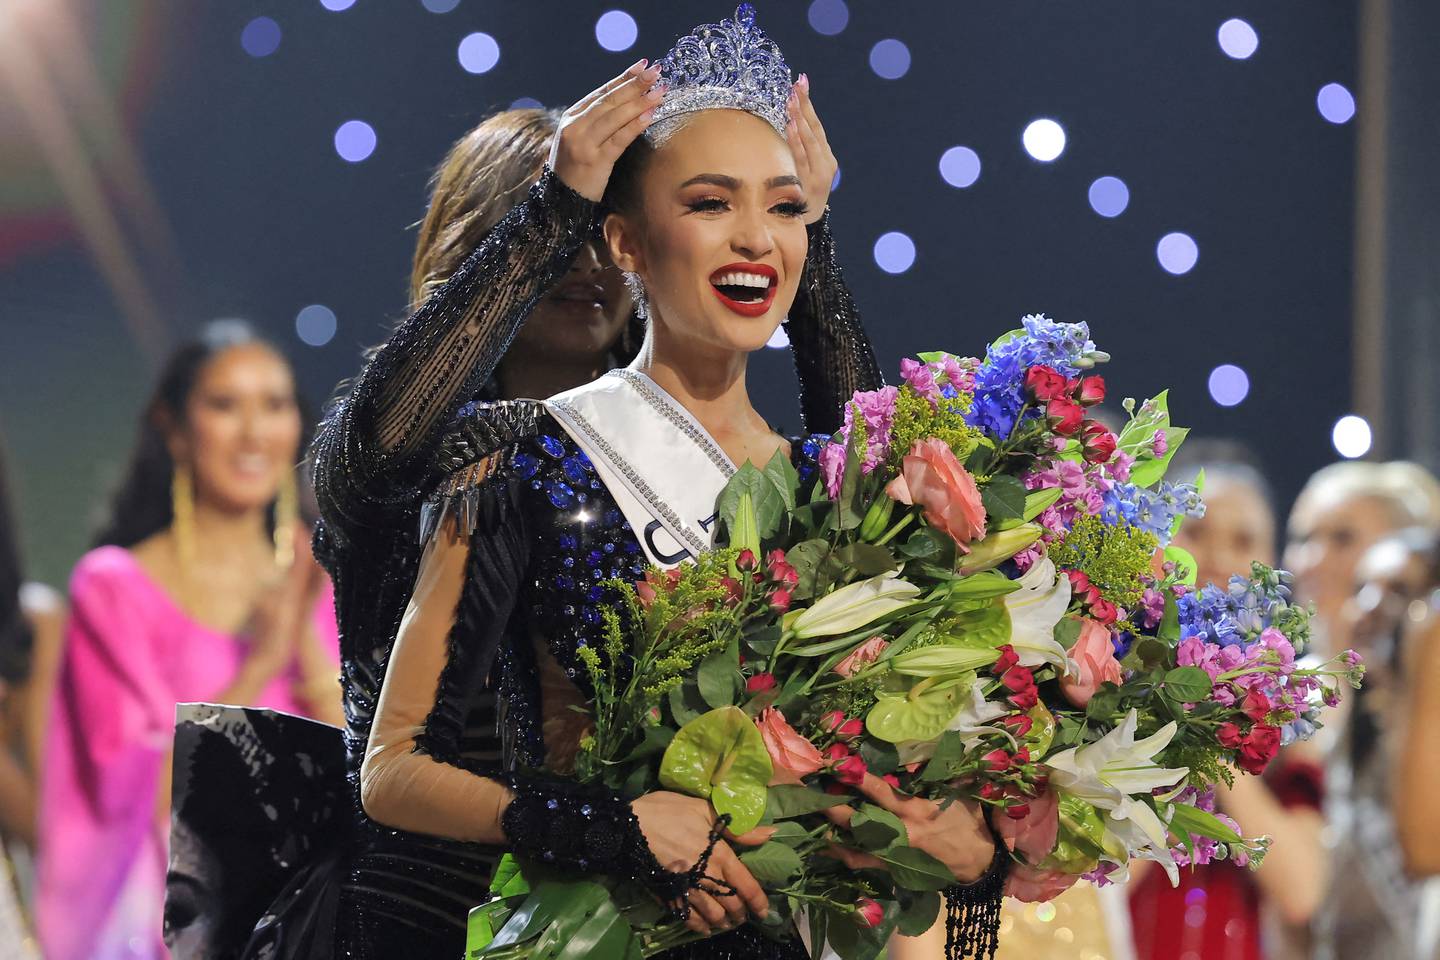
(375, 450)
(972, 911)
(833, 356)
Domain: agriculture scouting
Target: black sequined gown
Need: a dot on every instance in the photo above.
(533, 567)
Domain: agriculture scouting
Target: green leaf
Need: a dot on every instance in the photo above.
(1169, 628)
(482, 921)
(1187, 685)
(923, 543)
(1067, 631)
(979, 586)
(875, 828)
(721, 755)
(1146, 472)
(880, 757)
(605, 933)
(783, 477)
(915, 869)
(1037, 501)
(773, 864)
(787, 801)
(850, 513)
(1186, 820)
(1104, 703)
(788, 832)
(816, 566)
(923, 717)
(1184, 561)
(552, 906)
(767, 507)
(654, 740)
(718, 680)
(918, 912)
(866, 559)
(949, 754)
(1004, 499)
(507, 880)
(686, 703)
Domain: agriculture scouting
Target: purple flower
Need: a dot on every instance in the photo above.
(1152, 608)
(877, 409)
(920, 378)
(832, 468)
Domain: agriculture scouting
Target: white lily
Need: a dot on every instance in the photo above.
(1034, 610)
(854, 606)
(1112, 774)
(971, 722)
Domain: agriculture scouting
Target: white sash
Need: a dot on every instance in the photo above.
(664, 471)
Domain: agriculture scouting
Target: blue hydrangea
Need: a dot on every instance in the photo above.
(1153, 510)
(1240, 611)
(1000, 379)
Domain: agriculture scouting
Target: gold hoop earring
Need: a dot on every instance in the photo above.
(182, 512)
(287, 516)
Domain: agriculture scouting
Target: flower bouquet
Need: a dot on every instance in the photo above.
(970, 593)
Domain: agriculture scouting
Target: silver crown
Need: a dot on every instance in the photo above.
(727, 65)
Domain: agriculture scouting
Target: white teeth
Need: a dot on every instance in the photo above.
(742, 280)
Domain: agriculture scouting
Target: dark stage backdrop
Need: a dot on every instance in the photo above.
(264, 218)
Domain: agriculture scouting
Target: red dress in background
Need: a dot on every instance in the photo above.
(1214, 914)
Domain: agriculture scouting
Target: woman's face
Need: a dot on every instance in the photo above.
(1237, 528)
(720, 238)
(1328, 535)
(242, 428)
(582, 316)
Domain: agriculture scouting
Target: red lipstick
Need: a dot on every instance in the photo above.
(746, 308)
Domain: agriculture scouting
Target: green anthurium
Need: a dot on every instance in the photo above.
(721, 756)
(984, 627)
(1042, 730)
(919, 714)
(1082, 839)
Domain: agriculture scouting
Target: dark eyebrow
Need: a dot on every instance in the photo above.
(730, 183)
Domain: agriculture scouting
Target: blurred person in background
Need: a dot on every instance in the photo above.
(1376, 908)
(29, 631)
(201, 587)
(1225, 911)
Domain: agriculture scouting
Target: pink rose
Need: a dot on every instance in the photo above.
(1095, 655)
(862, 656)
(932, 478)
(1034, 836)
(791, 755)
(1029, 885)
(868, 913)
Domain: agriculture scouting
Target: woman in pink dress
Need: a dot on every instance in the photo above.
(202, 588)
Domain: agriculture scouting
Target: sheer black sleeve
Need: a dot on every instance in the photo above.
(833, 356)
(375, 449)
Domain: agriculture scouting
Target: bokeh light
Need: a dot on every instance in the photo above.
(1238, 39)
(1336, 104)
(1229, 385)
(315, 325)
(1109, 196)
(616, 30)
(1351, 436)
(1177, 253)
(439, 6)
(261, 37)
(337, 5)
(524, 103)
(960, 166)
(828, 17)
(1044, 139)
(890, 59)
(894, 252)
(479, 53)
(835, 180)
(355, 140)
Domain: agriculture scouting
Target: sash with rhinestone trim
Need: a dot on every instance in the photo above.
(664, 471)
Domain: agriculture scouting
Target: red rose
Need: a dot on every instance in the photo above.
(1103, 610)
(1099, 443)
(1079, 582)
(831, 721)
(998, 760)
(1021, 757)
(851, 770)
(780, 601)
(733, 591)
(850, 729)
(1229, 735)
(1018, 724)
(868, 913)
(746, 561)
(1018, 811)
(1008, 659)
(836, 752)
(1065, 416)
(1256, 706)
(1259, 749)
(1091, 391)
(893, 780)
(990, 791)
(1045, 383)
(780, 569)
(760, 683)
(1025, 699)
(1017, 679)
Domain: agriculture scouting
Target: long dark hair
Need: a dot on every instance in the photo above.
(15, 637)
(142, 503)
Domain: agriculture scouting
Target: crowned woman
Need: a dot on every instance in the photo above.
(539, 502)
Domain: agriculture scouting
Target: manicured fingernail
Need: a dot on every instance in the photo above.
(805, 80)
(635, 66)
